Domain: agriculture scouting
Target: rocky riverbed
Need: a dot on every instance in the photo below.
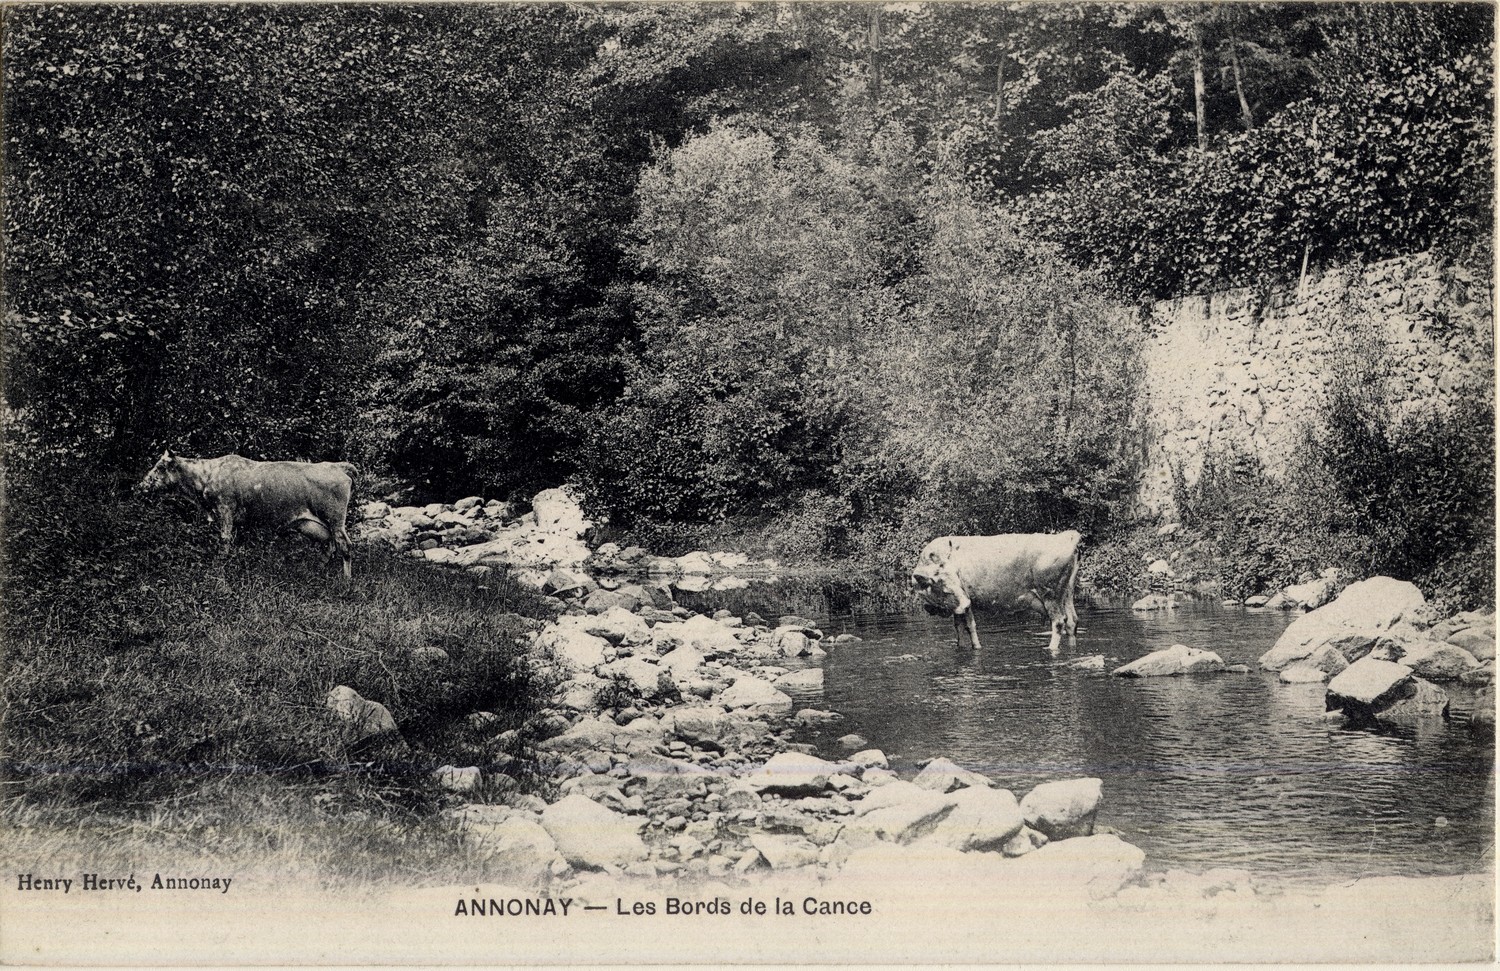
(668, 761)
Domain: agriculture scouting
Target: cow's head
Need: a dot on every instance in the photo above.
(165, 474)
(933, 585)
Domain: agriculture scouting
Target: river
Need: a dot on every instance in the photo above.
(1226, 770)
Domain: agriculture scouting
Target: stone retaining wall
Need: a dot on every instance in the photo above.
(1244, 370)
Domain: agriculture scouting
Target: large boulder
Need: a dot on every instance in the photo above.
(591, 836)
(704, 634)
(1372, 689)
(520, 849)
(1365, 609)
(1065, 809)
(1175, 660)
(1368, 684)
(558, 511)
(982, 819)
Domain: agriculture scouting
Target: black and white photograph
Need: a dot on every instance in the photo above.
(776, 483)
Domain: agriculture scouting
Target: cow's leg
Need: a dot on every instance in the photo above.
(226, 526)
(958, 628)
(341, 546)
(973, 629)
(315, 529)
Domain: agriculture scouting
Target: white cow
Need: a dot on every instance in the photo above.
(1007, 573)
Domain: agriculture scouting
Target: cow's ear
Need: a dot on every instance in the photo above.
(167, 455)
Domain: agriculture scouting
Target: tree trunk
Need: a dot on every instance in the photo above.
(1239, 87)
(1199, 113)
(875, 55)
(999, 94)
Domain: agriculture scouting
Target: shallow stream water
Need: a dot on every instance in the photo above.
(1233, 770)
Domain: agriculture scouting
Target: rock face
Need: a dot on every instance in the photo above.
(1351, 623)
(1061, 810)
(1177, 659)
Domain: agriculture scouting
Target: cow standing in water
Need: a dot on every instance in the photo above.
(1006, 573)
(310, 497)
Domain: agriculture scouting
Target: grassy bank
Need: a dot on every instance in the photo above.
(161, 697)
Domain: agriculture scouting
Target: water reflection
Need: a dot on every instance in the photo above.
(1224, 770)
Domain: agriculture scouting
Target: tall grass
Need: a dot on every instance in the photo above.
(149, 679)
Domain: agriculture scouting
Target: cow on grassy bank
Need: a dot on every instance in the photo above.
(310, 497)
(1007, 573)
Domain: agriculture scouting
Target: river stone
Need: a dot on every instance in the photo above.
(753, 694)
(1093, 662)
(666, 779)
(942, 775)
(682, 662)
(590, 836)
(586, 735)
(853, 742)
(806, 681)
(616, 625)
(1420, 701)
(1097, 865)
(1368, 684)
(558, 511)
(891, 793)
(1025, 841)
(903, 822)
(709, 636)
(455, 779)
(782, 852)
(1369, 607)
(1062, 810)
(1478, 641)
(519, 849)
(360, 718)
(642, 678)
(982, 819)
(1153, 601)
(1175, 660)
(1312, 594)
(1439, 661)
(578, 651)
(1302, 673)
(794, 774)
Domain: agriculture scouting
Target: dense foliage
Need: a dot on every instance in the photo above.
(844, 270)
